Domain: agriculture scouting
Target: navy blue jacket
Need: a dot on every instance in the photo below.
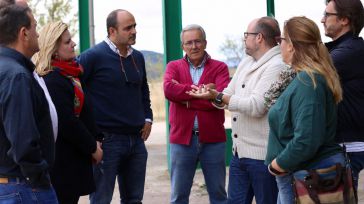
(348, 55)
(120, 106)
(26, 135)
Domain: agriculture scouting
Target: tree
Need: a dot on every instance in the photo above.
(54, 10)
(233, 49)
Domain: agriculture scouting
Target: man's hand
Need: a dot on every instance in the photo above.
(97, 155)
(146, 130)
(203, 92)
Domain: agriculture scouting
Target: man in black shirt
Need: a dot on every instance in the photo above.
(26, 136)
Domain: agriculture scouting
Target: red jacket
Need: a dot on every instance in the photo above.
(210, 119)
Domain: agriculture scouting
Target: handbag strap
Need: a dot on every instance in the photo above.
(347, 164)
(315, 184)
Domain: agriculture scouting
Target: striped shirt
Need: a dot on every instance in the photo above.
(354, 146)
(196, 73)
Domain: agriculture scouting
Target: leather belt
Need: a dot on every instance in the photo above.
(6, 180)
(195, 132)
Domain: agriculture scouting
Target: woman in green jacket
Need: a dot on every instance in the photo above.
(303, 119)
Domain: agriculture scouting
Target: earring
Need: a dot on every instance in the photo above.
(55, 55)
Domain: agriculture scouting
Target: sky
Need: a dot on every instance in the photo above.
(219, 18)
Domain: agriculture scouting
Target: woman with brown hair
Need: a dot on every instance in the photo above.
(76, 145)
(303, 119)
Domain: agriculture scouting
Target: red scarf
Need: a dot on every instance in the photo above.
(72, 71)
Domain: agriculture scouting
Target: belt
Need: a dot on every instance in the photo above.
(195, 132)
(6, 180)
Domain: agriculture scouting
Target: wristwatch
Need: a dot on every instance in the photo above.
(218, 98)
(274, 171)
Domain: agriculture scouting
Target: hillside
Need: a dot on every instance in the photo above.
(153, 64)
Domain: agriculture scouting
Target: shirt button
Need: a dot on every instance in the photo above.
(234, 119)
(235, 135)
(243, 86)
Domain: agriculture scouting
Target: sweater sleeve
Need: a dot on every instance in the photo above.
(21, 130)
(309, 126)
(71, 128)
(145, 93)
(86, 60)
(253, 105)
(172, 91)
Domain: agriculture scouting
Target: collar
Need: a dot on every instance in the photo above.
(17, 56)
(333, 44)
(205, 58)
(116, 50)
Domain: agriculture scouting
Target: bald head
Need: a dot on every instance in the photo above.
(22, 3)
(252, 25)
(112, 18)
(4, 3)
(269, 27)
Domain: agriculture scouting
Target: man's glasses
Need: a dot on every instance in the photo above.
(328, 14)
(197, 43)
(246, 34)
(127, 80)
(279, 39)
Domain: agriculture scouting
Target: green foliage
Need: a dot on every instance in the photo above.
(54, 10)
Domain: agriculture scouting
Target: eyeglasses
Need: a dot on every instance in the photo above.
(246, 34)
(279, 39)
(127, 81)
(328, 14)
(197, 43)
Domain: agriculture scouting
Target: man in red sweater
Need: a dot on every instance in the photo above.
(197, 131)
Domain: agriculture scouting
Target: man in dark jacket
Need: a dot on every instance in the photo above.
(26, 136)
(116, 80)
(343, 20)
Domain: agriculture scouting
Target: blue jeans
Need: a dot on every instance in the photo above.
(286, 194)
(184, 159)
(125, 156)
(357, 164)
(285, 189)
(18, 192)
(249, 178)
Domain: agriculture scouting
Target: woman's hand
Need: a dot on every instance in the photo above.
(275, 169)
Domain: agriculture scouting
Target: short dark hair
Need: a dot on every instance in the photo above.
(112, 19)
(269, 27)
(353, 10)
(4, 3)
(12, 19)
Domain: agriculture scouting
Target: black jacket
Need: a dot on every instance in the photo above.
(26, 135)
(72, 173)
(348, 55)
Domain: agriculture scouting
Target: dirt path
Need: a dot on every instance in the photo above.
(157, 186)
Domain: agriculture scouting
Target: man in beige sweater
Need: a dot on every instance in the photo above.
(244, 97)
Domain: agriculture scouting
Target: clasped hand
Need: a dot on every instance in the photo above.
(203, 91)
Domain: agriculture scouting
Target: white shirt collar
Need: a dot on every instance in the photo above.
(116, 50)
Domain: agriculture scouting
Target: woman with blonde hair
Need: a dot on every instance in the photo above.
(303, 119)
(76, 145)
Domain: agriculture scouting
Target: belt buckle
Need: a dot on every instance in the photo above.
(4, 180)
